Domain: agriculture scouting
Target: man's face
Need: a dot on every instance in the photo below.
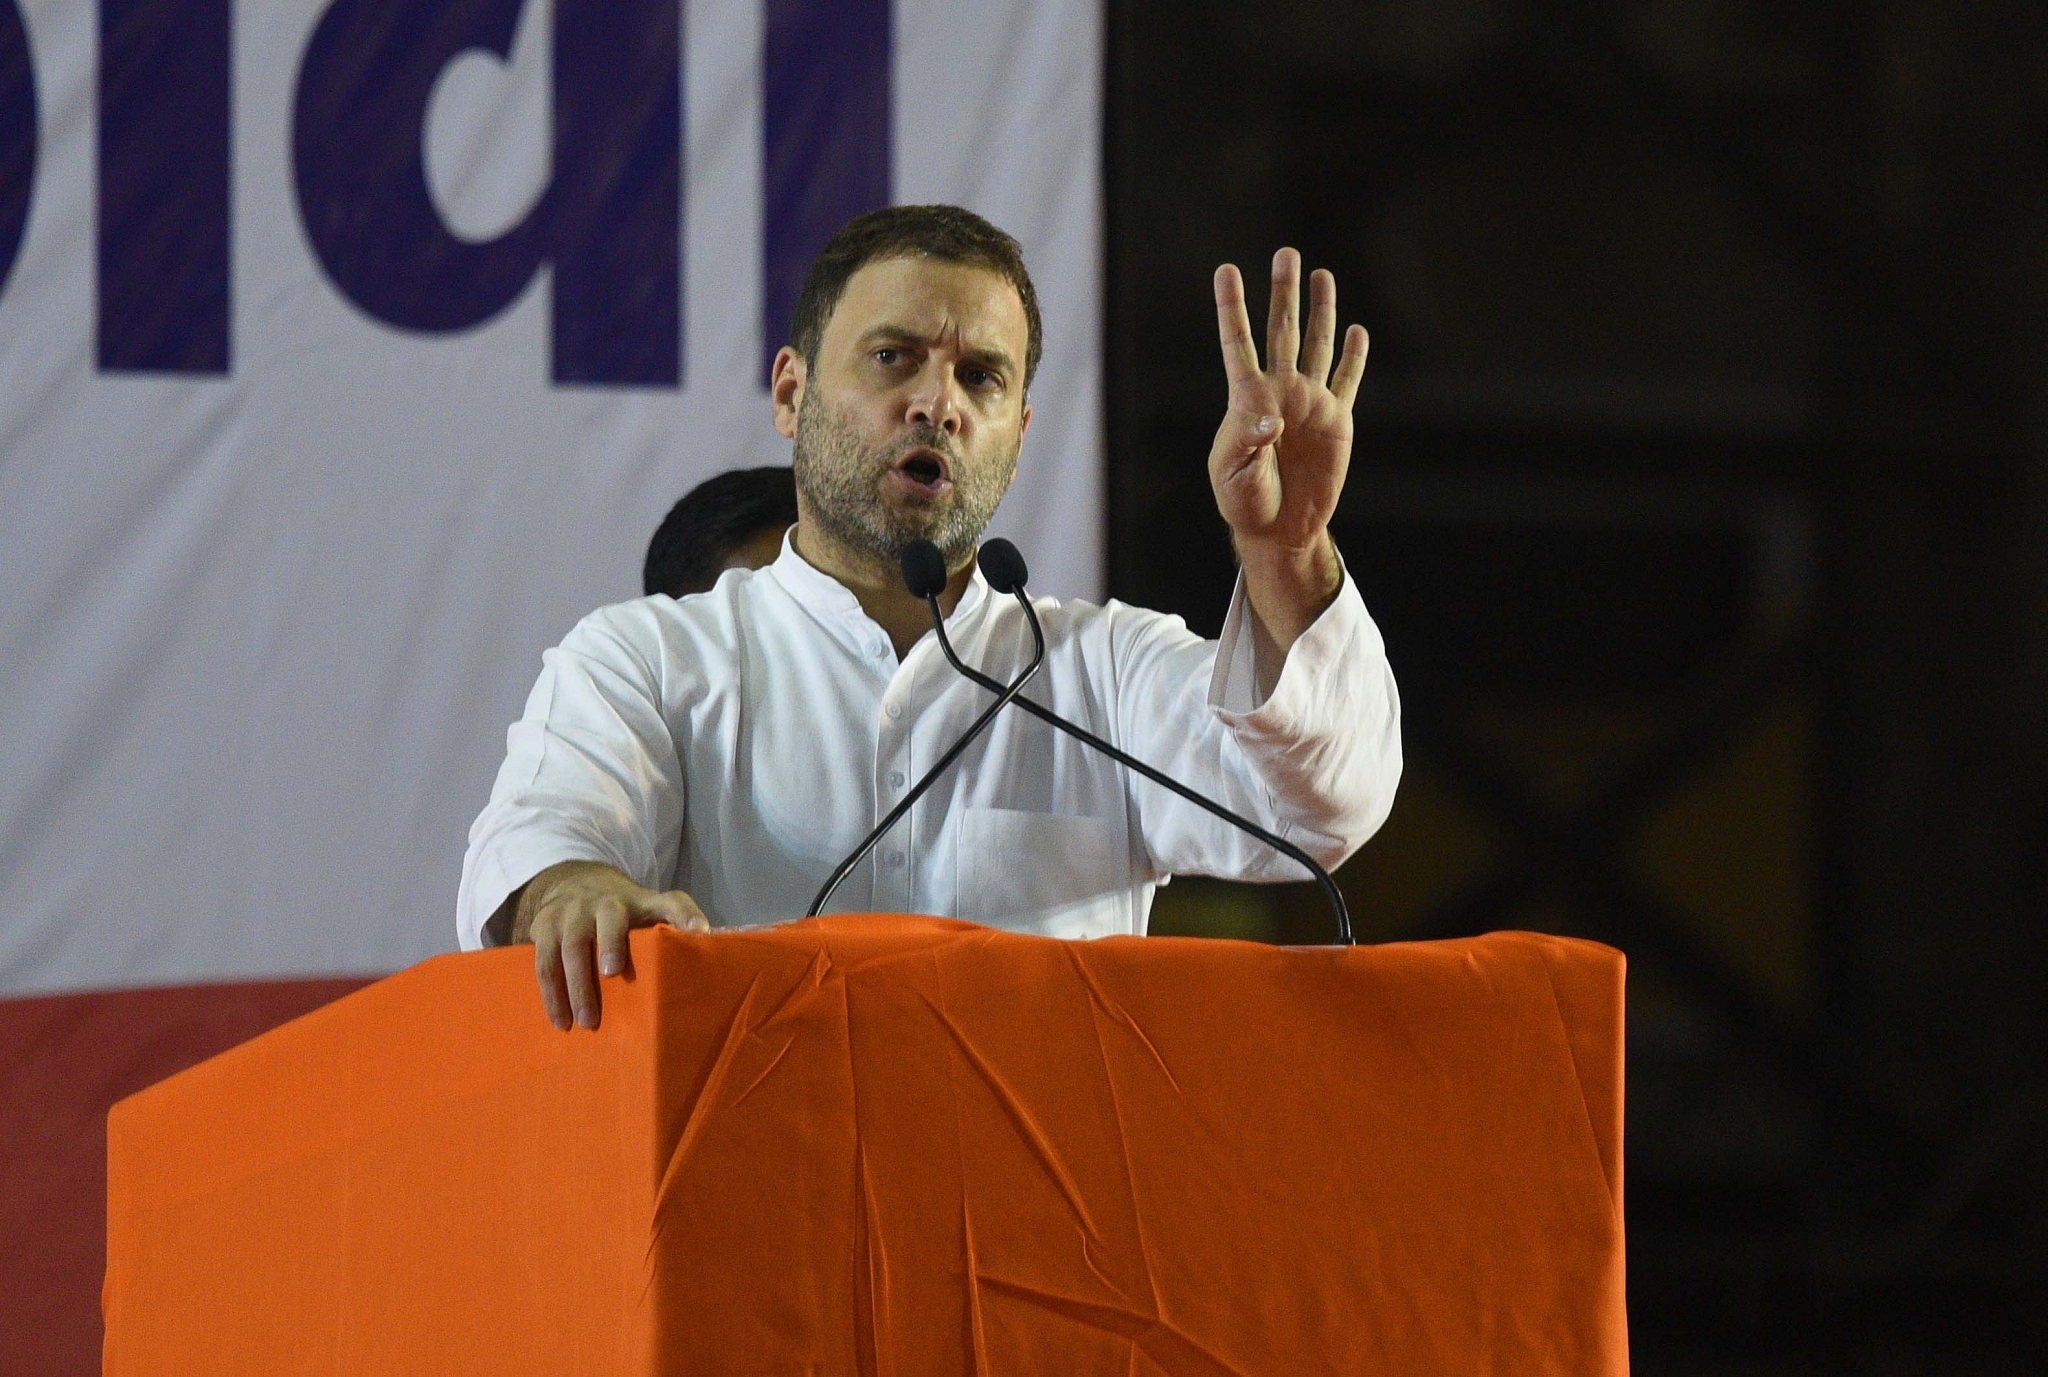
(913, 413)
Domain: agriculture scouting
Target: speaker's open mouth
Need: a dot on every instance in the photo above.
(926, 469)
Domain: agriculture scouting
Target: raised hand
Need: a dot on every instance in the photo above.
(1280, 455)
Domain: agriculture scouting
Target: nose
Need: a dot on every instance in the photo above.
(934, 401)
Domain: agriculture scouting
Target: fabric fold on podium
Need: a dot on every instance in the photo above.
(874, 1144)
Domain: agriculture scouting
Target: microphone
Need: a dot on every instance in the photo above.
(1003, 566)
(924, 574)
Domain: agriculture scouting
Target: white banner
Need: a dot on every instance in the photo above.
(350, 351)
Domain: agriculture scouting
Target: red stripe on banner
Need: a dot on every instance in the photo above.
(67, 1058)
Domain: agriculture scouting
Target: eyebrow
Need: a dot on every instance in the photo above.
(988, 356)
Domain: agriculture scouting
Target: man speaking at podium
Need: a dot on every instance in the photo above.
(708, 761)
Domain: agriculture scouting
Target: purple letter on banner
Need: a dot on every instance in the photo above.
(609, 222)
(825, 80)
(17, 135)
(163, 235)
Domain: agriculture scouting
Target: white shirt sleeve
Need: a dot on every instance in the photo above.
(1316, 761)
(591, 771)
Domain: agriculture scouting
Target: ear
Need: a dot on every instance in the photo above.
(786, 379)
(1024, 422)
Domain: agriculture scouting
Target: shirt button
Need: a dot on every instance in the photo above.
(880, 651)
(895, 779)
(895, 710)
(894, 858)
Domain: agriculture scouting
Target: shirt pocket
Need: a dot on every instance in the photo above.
(1055, 874)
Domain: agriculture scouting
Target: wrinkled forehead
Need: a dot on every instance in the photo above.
(931, 299)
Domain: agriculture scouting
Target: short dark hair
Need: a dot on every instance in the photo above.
(948, 233)
(713, 519)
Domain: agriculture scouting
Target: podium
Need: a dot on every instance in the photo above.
(874, 1144)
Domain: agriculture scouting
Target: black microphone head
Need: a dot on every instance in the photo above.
(924, 569)
(1003, 566)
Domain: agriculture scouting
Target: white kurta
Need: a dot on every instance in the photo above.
(736, 744)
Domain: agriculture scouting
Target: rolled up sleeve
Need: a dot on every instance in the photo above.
(1317, 760)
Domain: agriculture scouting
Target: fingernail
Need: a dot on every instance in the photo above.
(588, 1020)
(1264, 425)
(608, 964)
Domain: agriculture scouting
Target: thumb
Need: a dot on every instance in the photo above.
(1257, 427)
(680, 912)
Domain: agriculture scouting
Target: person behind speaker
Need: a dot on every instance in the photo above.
(706, 761)
(732, 520)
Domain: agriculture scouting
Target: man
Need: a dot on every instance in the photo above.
(708, 761)
(735, 520)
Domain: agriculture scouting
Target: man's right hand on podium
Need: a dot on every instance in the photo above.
(568, 908)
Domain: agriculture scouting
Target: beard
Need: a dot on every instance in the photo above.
(841, 480)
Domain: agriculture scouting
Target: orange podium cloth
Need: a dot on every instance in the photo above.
(888, 1145)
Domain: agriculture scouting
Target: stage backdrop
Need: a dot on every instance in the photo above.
(350, 350)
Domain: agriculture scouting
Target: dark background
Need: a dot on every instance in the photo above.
(1700, 492)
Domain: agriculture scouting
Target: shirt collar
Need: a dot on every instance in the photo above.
(833, 604)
